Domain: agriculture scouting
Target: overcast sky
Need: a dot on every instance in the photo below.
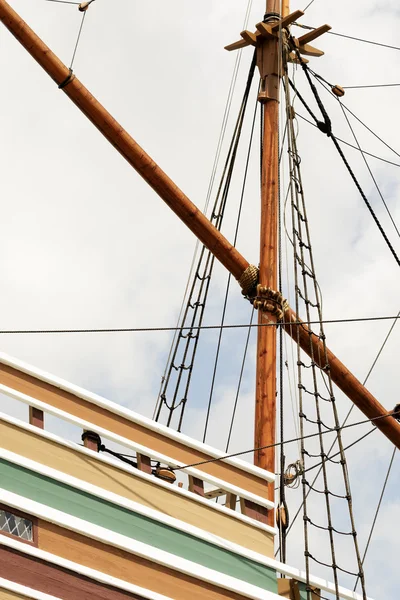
(86, 244)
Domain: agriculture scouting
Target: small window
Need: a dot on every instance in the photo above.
(15, 525)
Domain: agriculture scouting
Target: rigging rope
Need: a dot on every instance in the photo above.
(229, 283)
(239, 382)
(349, 37)
(64, 2)
(282, 490)
(221, 138)
(289, 441)
(83, 9)
(300, 248)
(194, 328)
(389, 162)
(282, 459)
(78, 40)
(348, 416)
(360, 87)
(321, 79)
(323, 82)
(377, 510)
(326, 127)
(187, 344)
(369, 170)
(308, 5)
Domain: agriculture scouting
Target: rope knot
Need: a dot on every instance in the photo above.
(325, 127)
(270, 301)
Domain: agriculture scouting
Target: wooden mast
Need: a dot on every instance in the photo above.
(265, 406)
(187, 211)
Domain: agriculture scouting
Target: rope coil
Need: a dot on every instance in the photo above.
(270, 301)
(248, 280)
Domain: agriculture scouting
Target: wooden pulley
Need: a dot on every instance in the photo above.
(282, 520)
(165, 473)
(338, 91)
(84, 5)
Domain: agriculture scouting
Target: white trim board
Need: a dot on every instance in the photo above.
(71, 566)
(17, 588)
(105, 459)
(136, 507)
(87, 529)
(132, 416)
(122, 542)
(30, 401)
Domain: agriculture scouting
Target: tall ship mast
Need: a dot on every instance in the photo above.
(98, 500)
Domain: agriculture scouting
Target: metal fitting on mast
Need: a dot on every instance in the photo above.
(272, 16)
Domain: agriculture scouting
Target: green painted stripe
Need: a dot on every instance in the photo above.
(120, 520)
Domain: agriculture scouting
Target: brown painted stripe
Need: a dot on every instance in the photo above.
(49, 579)
(101, 417)
(126, 566)
(147, 493)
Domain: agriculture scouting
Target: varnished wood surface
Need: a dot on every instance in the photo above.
(151, 495)
(265, 411)
(128, 567)
(120, 425)
(344, 379)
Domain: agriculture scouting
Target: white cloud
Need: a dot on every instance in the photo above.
(84, 242)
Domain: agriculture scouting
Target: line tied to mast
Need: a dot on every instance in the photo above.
(261, 297)
(270, 301)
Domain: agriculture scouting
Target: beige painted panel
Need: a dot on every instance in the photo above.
(118, 424)
(149, 494)
(6, 595)
(126, 566)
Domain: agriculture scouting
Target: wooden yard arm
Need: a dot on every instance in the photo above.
(234, 262)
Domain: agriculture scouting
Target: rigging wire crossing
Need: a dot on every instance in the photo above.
(322, 82)
(363, 87)
(229, 279)
(326, 127)
(292, 440)
(347, 418)
(322, 79)
(221, 139)
(350, 37)
(304, 267)
(203, 327)
(389, 162)
(181, 360)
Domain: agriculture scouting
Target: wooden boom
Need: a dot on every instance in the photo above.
(124, 143)
(185, 209)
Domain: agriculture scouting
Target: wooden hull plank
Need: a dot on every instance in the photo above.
(119, 520)
(123, 565)
(127, 428)
(151, 495)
